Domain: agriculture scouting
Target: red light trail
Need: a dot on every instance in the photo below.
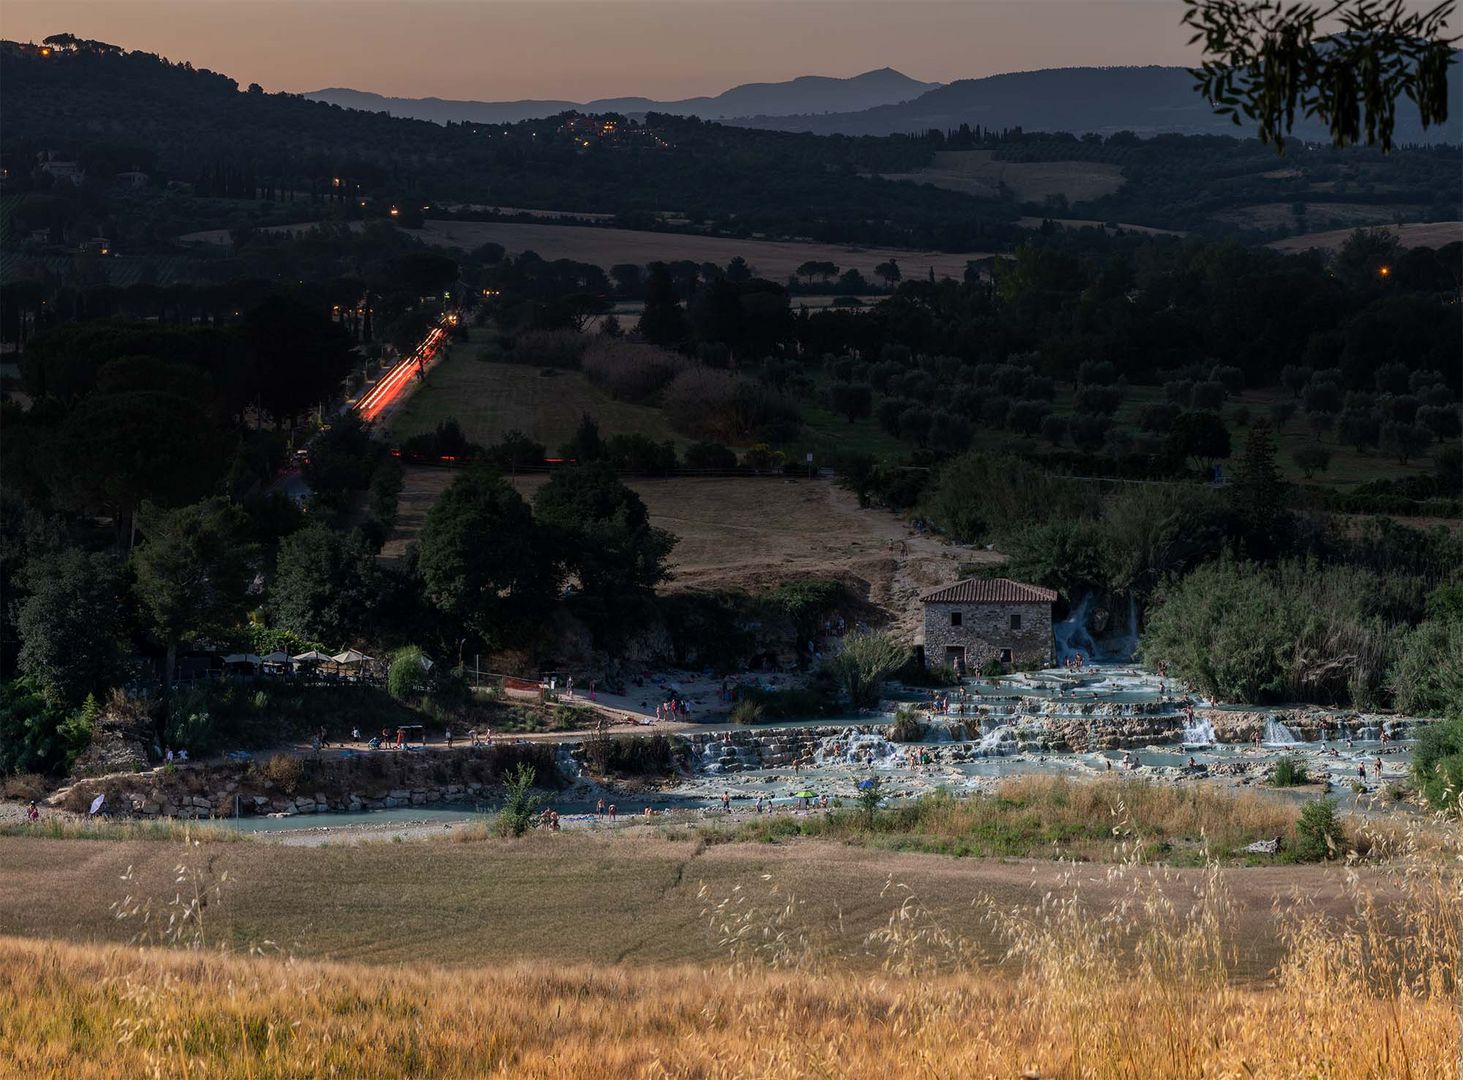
(391, 387)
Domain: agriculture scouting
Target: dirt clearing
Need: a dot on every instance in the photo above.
(754, 532)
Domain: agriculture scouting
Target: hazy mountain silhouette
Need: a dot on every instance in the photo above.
(1144, 100)
(809, 94)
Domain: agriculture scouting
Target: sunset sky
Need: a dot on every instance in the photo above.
(582, 49)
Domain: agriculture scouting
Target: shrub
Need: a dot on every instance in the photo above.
(1427, 678)
(549, 348)
(447, 440)
(194, 731)
(907, 727)
(640, 455)
(747, 712)
(869, 797)
(1290, 632)
(519, 803)
(866, 660)
(631, 371)
(1318, 833)
(977, 495)
(1287, 772)
(710, 404)
(1311, 458)
(1208, 396)
(1437, 763)
(406, 678)
(284, 772)
(632, 755)
(1158, 417)
(706, 455)
(1027, 417)
(1089, 432)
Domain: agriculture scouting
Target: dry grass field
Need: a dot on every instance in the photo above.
(977, 172)
(773, 259)
(1319, 216)
(587, 957)
(1433, 234)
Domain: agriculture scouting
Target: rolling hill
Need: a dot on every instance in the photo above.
(1143, 100)
(808, 94)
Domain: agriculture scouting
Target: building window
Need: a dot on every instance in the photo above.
(1005, 656)
(954, 618)
(1015, 622)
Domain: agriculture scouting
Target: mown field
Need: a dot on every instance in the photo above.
(977, 172)
(773, 259)
(490, 399)
(1433, 234)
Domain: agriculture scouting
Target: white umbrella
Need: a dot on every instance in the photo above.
(277, 657)
(350, 656)
(241, 658)
(314, 656)
(96, 804)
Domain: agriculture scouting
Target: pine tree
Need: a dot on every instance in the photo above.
(1258, 494)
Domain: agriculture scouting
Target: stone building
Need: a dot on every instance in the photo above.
(982, 619)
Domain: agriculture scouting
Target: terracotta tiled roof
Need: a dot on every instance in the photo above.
(989, 591)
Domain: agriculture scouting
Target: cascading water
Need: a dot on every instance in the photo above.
(997, 741)
(1199, 732)
(855, 748)
(1072, 636)
(1277, 734)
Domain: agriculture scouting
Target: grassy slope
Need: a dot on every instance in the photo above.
(490, 399)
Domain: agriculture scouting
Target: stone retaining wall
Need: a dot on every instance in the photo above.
(285, 785)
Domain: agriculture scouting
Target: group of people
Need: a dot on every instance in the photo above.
(672, 708)
(180, 756)
(945, 704)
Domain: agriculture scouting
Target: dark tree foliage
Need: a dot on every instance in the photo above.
(326, 587)
(1267, 60)
(115, 451)
(71, 624)
(602, 530)
(192, 571)
(484, 564)
(297, 357)
(662, 322)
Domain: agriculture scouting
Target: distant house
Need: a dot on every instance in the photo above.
(977, 620)
(132, 179)
(99, 245)
(69, 171)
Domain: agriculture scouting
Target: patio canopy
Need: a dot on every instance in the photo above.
(314, 656)
(242, 658)
(277, 657)
(350, 656)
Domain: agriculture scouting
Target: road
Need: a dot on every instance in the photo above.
(394, 387)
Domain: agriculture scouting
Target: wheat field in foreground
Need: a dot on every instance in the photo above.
(1367, 997)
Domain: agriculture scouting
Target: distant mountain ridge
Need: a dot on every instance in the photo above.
(808, 94)
(1145, 100)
